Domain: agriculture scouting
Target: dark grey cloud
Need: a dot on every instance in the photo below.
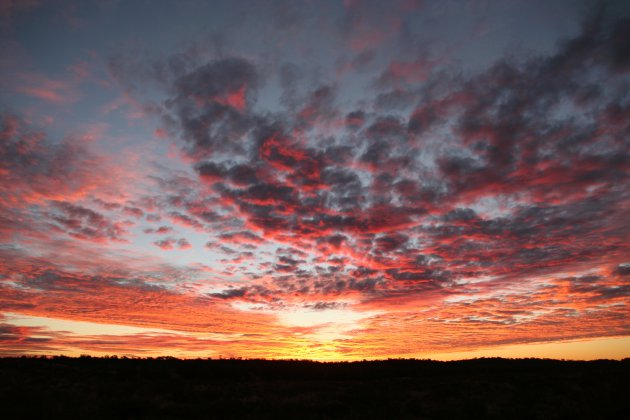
(84, 223)
(405, 182)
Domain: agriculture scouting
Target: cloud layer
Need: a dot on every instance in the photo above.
(375, 198)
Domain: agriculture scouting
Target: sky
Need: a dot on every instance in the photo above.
(327, 180)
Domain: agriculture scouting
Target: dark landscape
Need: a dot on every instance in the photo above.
(89, 387)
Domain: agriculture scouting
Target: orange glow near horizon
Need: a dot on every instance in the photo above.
(75, 338)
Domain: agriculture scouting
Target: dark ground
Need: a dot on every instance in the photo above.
(169, 388)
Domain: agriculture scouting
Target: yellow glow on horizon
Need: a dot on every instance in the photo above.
(327, 325)
(590, 349)
(324, 339)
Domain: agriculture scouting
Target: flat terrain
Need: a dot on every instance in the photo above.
(169, 388)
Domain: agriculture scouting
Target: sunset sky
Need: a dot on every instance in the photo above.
(331, 180)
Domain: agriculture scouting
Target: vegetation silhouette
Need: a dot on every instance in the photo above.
(167, 387)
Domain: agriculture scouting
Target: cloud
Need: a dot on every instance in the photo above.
(34, 169)
(468, 194)
(492, 197)
(93, 294)
(623, 269)
(171, 243)
(230, 293)
(58, 92)
(84, 223)
(209, 104)
(162, 230)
